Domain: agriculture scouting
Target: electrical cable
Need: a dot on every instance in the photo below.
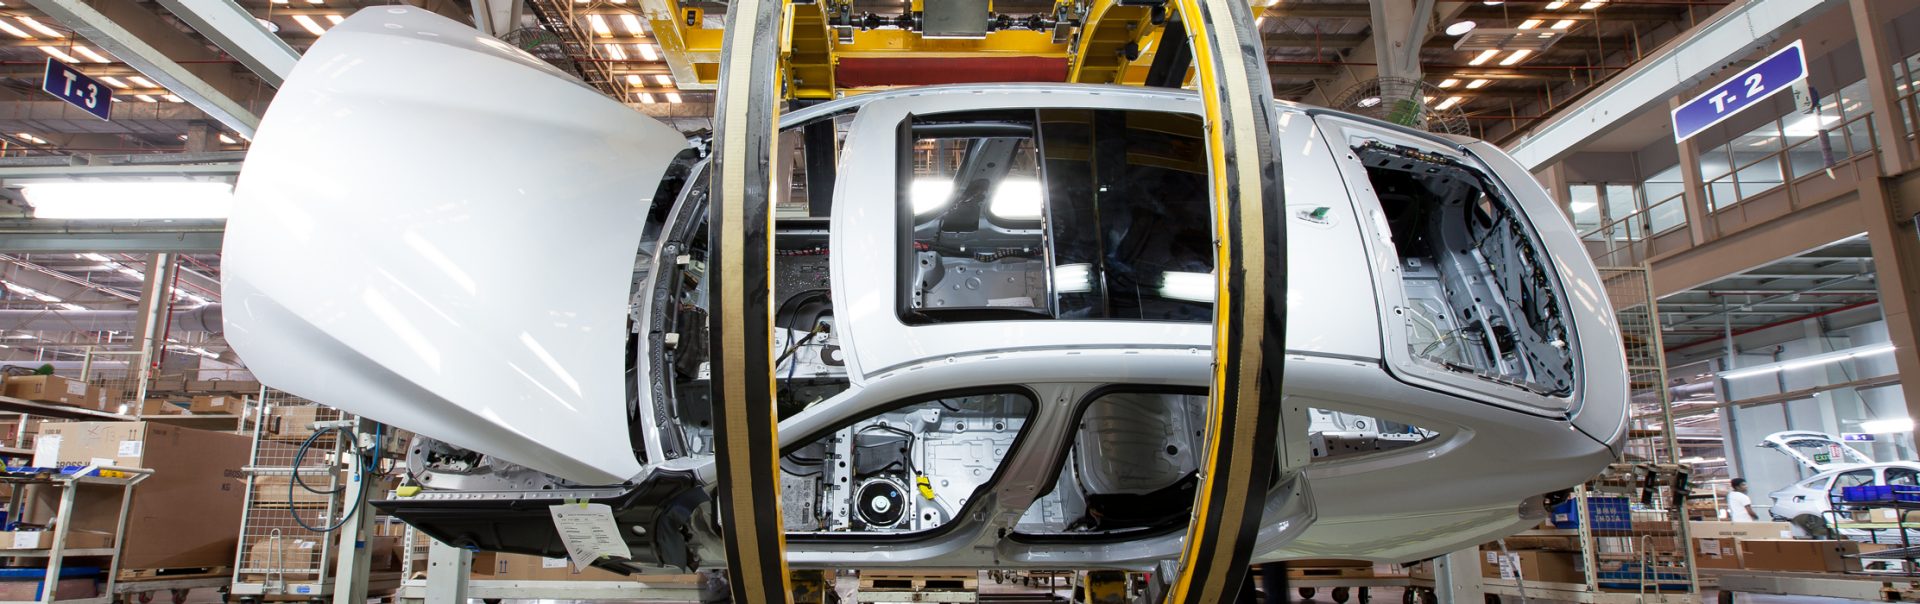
(366, 470)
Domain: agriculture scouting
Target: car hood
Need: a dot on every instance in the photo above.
(437, 230)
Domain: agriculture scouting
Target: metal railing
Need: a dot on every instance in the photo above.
(1624, 238)
(1850, 138)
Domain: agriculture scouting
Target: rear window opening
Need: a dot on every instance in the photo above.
(1479, 298)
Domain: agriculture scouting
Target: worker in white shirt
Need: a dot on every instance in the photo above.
(1739, 505)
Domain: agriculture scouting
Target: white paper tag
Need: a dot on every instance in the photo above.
(553, 563)
(1786, 534)
(1493, 557)
(26, 540)
(1509, 566)
(103, 462)
(589, 532)
(132, 448)
(1710, 547)
(46, 451)
(76, 388)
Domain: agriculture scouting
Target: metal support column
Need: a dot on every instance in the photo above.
(447, 570)
(354, 567)
(156, 296)
(1693, 192)
(1457, 578)
(1871, 19)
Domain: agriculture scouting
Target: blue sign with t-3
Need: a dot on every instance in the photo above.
(1779, 71)
(63, 81)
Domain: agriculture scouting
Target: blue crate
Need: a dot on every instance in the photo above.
(1614, 513)
(1872, 493)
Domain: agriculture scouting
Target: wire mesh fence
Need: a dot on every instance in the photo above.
(296, 488)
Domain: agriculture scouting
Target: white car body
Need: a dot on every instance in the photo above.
(1838, 466)
(462, 265)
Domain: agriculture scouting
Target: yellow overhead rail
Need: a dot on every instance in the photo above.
(772, 50)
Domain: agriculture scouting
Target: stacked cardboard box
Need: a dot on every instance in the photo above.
(160, 406)
(293, 422)
(1717, 544)
(1802, 555)
(50, 389)
(521, 567)
(186, 515)
(283, 492)
(1532, 565)
(224, 404)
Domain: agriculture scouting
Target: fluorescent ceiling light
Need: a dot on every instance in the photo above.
(1807, 361)
(1449, 83)
(311, 25)
(672, 97)
(663, 80)
(90, 54)
(1563, 24)
(1451, 101)
(647, 52)
(37, 26)
(172, 99)
(32, 293)
(632, 24)
(1516, 57)
(646, 98)
(1592, 4)
(1368, 102)
(1460, 28)
(1017, 198)
(1556, 4)
(1529, 24)
(929, 193)
(95, 257)
(599, 25)
(29, 137)
(228, 139)
(142, 82)
(1485, 55)
(615, 52)
(15, 31)
(59, 54)
(128, 271)
(634, 80)
(146, 98)
(336, 19)
(1477, 84)
(1073, 278)
(1887, 426)
(1192, 287)
(129, 200)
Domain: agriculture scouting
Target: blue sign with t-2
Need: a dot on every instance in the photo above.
(63, 81)
(1779, 71)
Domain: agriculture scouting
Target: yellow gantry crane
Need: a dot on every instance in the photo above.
(776, 52)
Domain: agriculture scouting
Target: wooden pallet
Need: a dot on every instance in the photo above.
(919, 580)
(172, 574)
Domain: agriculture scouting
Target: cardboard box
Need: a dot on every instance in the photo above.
(292, 556)
(1555, 543)
(28, 590)
(48, 389)
(44, 539)
(521, 567)
(224, 404)
(1799, 555)
(281, 492)
(1716, 552)
(1740, 530)
(155, 406)
(1533, 565)
(10, 435)
(186, 515)
(295, 422)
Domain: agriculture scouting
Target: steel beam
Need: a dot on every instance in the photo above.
(88, 20)
(235, 30)
(1734, 32)
(497, 17)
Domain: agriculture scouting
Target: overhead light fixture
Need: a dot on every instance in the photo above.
(173, 98)
(1192, 287)
(29, 137)
(59, 54)
(632, 24)
(1073, 278)
(1016, 198)
(1807, 361)
(634, 80)
(929, 193)
(17, 32)
(1459, 28)
(336, 19)
(94, 257)
(1450, 102)
(91, 55)
(129, 200)
(599, 25)
(1887, 426)
(1563, 24)
(673, 97)
(146, 98)
(1485, 55)
(1372, 101)
(39, 27)
(1493, 2)
(1556, 4)
(1476, 84)
(272, 28)
(228, 139)
(1516, 57)
(663, 79)
(1530, 23)
(1449, 83)
(142, 82)
(615, 52)
(646, 98)
(647, 52)
(32, 293)
(311, 25)
(1592, 4)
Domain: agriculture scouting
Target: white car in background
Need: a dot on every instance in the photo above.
(1838, 466)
